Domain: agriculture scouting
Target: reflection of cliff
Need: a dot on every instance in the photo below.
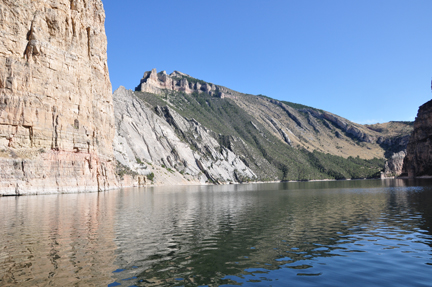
(210, 233)
(57, 241)
(56, 111)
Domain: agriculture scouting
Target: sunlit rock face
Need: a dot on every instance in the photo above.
(418, 161)
(160, 83)
(175, 149)
(56, 111)
(393, 166)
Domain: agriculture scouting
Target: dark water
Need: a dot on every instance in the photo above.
(356, 233)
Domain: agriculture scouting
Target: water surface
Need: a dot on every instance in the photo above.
(359, 233)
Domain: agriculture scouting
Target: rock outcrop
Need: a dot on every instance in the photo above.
(348, 127)
(418, 161)
(176, 150)
(56, 111)
(394, 165)
(160, 83)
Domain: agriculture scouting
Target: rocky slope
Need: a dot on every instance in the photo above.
(295, 124)
(418, 161)
(177, 149)
(56, 111)
(276, 140)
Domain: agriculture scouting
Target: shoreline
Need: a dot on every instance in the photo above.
(51, 192)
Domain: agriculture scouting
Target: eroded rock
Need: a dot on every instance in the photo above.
(160, 83)
(56, 111)
(394, 165)
(175, 149)
(418, 161)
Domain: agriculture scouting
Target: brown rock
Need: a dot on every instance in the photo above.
(56, 111)
(418, 161)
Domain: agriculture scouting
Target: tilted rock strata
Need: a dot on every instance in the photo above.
(418, 161)
(177, 150)
(56, 112)
(315, 129)
(305, 127)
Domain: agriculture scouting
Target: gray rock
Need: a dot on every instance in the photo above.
(393, 166)
(158, 83)
(147, 140)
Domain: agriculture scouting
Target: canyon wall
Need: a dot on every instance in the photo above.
(56, 110)
(418, 161)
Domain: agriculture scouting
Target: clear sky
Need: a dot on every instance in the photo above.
(366, 60)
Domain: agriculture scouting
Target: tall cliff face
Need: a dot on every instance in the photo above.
(418, 161)
(56, 111)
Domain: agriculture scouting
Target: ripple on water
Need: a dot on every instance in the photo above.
(266, 235)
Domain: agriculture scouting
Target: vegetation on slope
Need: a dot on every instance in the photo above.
(291, 104)
(265, 154)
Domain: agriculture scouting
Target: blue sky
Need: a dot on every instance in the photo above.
(368, 61)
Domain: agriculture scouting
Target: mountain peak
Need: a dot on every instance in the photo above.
(178, 74)
(157, 83)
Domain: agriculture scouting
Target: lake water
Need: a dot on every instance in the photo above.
(356, 233)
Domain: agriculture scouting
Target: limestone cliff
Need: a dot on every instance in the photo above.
(56, 111)
(161, 83)
(418, 161)
(175, 149)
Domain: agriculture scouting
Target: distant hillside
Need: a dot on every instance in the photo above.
(275, 140)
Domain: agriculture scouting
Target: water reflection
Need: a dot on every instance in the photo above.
(57, 240)
(256, 233)
(303, 234)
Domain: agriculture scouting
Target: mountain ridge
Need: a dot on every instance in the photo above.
(362, 133)
(277, 140)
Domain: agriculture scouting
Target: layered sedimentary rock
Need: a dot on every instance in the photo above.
(418, 161)
(56, 111)
(160, 83)
(277, 140)
(295, 124)
(177, 150)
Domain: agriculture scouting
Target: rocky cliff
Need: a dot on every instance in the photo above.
(173, 149)
(56, 111)
(162, 83)
(418, 161)
(394, 165)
